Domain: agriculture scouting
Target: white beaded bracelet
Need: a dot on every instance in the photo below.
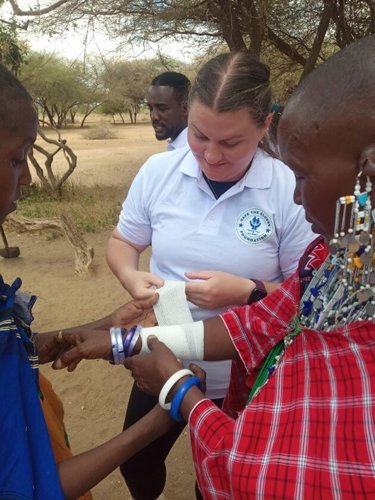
(168, 386)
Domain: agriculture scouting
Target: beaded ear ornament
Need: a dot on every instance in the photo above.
(342, 290)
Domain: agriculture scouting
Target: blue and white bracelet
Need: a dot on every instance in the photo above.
(123, 342)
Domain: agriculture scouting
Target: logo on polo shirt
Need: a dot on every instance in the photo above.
(254, 226)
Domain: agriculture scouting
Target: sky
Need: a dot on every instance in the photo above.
(72, 46)
(75, 45)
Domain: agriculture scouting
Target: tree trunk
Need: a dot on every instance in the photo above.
(88, 113)
(52, 183)
(319, 37)
(229, 25)
(83, 254)
(257, 26)
(285, 48)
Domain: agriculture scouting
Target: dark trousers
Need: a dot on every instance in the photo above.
(145, 473)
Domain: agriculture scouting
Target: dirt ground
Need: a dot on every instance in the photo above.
(95, 395)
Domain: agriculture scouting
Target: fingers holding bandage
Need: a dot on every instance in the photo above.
(186, 341)
(172, 307)
(216, 289)
(176, 327)
(140, 284)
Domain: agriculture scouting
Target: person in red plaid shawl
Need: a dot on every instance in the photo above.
(308, 428)
(298, 420)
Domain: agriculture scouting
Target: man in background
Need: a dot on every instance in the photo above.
(167, 101)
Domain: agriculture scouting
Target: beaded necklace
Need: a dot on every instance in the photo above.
(342, 290)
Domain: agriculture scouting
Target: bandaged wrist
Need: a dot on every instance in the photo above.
(185, 341)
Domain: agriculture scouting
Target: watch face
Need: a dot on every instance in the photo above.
(258, 294)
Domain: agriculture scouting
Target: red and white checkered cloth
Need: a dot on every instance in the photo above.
(310, 432)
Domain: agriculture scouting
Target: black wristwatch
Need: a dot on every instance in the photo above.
(258, 293)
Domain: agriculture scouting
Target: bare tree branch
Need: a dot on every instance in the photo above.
(328, 6)
(36, 12)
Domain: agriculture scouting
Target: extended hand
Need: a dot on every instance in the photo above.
(92, 340)
(218, 289)
(72, 347)
(48, 346)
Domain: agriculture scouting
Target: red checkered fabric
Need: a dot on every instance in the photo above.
(310, 432)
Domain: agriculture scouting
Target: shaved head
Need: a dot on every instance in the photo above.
(327, 132)
(12, 95)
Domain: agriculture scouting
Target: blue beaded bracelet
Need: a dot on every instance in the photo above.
(179, 396)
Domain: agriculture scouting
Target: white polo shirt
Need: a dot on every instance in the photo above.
(254, 230)
(180, 141)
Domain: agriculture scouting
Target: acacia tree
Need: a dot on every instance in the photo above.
(60, 88)
(12, 51)
(127, 83)
(12, 55)
(52, 183)
(113, 107)
(55, 85)
(298, 29)
(93, 92)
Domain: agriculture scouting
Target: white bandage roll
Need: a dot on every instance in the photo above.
(185, 341)
(172, 307)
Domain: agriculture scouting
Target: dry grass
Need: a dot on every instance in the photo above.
(93, 195)
(92, 208)
(100, 131)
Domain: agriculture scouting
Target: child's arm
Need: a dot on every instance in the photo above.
(210, 337)
(80, 473)
(49, 344)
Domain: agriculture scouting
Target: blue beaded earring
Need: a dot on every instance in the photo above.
(342, 290)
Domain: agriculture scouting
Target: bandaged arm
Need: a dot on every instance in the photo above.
(202, 340)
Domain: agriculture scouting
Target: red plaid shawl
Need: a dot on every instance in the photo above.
(310, 432)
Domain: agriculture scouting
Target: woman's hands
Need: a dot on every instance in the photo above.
(140, 284)
(217, 289)
(123, 259)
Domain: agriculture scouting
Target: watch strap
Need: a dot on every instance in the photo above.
(258, 292)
